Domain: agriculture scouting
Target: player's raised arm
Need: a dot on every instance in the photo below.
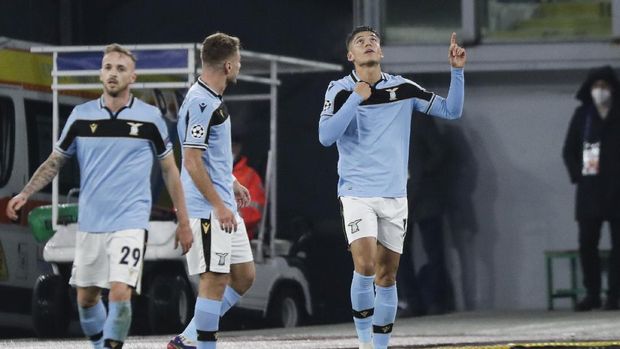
(456, 54)
(451, 107)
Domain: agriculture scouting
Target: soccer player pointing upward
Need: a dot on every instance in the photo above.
(368, 115)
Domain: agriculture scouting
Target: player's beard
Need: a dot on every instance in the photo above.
(231, 80)
(114, 92)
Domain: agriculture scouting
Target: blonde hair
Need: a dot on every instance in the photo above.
(120, 49)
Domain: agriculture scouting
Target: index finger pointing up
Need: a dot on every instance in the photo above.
(453, 39)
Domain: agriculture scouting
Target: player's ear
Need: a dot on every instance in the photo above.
(350, 56)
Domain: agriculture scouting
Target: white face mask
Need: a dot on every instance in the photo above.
(600, 96)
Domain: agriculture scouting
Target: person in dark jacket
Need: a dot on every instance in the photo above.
(592, 156)
(430, 290)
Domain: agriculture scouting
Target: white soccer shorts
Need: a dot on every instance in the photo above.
(385, 219)
(101, 258)
(214, 249)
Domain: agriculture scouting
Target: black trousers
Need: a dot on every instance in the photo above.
(431, 288)
(589, 237)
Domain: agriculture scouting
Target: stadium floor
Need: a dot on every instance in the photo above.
(490, 330)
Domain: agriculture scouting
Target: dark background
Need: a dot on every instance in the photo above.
(310, 29)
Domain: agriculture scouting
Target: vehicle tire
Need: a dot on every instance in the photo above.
(51, 310)
(170, 304)
(286, 308)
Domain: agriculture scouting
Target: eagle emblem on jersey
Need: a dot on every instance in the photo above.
(355, 226)
(93, 127)
(392, 92)
(327, 104)
(134, 128)
(198, 131)
(222, 256)
(202, 106)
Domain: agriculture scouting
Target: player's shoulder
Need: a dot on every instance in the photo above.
(399, 80)
(144, 106)
(91, 105)
(392, 79)
(202, 96)
(345, 83)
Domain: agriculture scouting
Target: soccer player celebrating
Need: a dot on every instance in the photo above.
(221, 252)
(368, 115)
(114, 138)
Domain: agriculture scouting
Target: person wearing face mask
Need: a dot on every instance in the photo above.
(592, 156)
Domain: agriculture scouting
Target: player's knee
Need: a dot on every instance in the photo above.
(242, 277)
(212, 285)
(365, 266)
(119, 292)
(87, 297)
(87, 302)
(242, 283)
(385, 279)
(245, 282)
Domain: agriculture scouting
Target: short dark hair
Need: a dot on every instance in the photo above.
(361, 28)
(216, 48)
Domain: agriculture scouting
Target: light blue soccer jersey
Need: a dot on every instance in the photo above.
(115, 155)
(204, 123)
(373, 136)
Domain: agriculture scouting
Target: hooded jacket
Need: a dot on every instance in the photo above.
(598, 196)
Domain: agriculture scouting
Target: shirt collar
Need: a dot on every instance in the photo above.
(356, 78)
(128, 105)
(209, 89)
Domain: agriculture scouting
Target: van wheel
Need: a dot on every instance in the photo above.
(50, 307)
(286, 308)
(170, 304)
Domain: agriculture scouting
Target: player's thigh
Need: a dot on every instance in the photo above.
(359, 220)
(241, 251)
(126, 256)
(212, 247)
(364, 252)
(90, 263)
(392, 223)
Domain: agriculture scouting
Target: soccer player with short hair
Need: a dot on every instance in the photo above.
(368, 115)
(221, 252)
(114, 138)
